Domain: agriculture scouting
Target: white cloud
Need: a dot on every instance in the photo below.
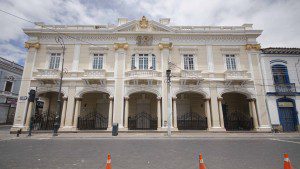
(279, 19)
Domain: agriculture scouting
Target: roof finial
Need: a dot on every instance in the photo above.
(144, 22)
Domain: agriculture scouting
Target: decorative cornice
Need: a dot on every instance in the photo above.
(121, 46)
(253, 46)
(35, 45)
(165, 46)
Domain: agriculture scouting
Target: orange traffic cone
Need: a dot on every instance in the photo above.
(108, 162)
(201, 162)
(287, 163)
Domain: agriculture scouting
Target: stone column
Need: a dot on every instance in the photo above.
(165, 54)
(215, 115)
(77, 111)
(221, 112)
(23, 104)
(63, 112)
(208, 113)
(175, 112)
(158, 112)
(126, 112)
(29, 114)
(110, 113)
(69, 119)
(254, 114)
(119, 75)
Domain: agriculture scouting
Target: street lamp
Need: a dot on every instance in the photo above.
(59, 40)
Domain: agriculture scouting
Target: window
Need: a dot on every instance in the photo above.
(8, 86)
(133, 62)
(98, 61)
(143, 61)
(54, 60)
(153, 62)
(230, 62)
(280, 74)
(188, 61)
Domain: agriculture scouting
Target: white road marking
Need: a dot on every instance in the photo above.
(287, 141)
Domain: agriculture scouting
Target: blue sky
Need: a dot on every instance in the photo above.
(278, 18)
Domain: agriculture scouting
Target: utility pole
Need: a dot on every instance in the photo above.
(59, 40)
(168, 73)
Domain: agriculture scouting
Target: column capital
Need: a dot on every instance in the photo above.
(35, 45)
(158, 98)
(126, 97)
(251, 99)
(174, 98)
(111, 98)
(220, 98)
(207, 99)
(78, 99)
(165, 46)
(252, 46)
(65, 98)
(121, 46)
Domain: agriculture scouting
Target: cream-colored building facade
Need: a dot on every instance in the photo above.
(117, 74)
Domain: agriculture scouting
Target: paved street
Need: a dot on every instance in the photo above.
(144, 151)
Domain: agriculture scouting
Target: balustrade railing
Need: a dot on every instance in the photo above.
(142, 73)
(285, 89)
(94, 73)
(47, 73)
(193, 74)
(237, 75)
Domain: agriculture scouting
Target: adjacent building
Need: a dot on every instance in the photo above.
(10, 80)
(117, 74)
(281, 72)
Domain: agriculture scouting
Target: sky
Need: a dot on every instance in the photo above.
(279, 19)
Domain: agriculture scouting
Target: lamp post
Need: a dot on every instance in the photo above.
(59, 40)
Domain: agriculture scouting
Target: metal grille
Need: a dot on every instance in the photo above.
(238, 121)
(92, 121)
(43, 120)
(192, 121)
(142, 121)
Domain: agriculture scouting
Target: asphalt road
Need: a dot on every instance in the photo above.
(155, 153)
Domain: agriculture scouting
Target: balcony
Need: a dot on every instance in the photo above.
(8, 94)
(191, 74)
(94, 76)
(143, 74)
(237, 75)
(47, 75)
(285, 89)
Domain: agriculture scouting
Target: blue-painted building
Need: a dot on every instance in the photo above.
(10, 80)
(281, 73)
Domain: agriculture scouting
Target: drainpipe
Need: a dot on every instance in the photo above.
(264, 90)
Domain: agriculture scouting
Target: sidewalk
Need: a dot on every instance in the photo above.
(189, 135)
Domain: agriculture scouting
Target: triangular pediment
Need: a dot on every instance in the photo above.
(140, 26)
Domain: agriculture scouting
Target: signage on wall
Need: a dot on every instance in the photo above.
(23, 97)
(285, 104)
(11, 100)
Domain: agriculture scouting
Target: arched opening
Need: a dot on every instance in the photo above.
(236, 112)
(142, 111)
(287, 114)
(45, 111)
(191, 111)
(94, 111)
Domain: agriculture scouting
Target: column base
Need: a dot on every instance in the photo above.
(68, 129)
(166, 129)
(263, 129)
(216, 129)
(14, 129)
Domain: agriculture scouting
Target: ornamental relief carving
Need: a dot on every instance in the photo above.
(144, 40)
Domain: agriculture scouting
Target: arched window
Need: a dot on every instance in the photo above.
(153, 62)
(280, 74)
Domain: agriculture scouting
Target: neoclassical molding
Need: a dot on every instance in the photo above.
(187, 50)
(121, 46)
(165, 46)
(54, 49)
(35, 45)
(144, 49)
(253, 46)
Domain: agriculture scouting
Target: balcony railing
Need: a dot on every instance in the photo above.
(237, 75)
(94, 73)
(47, 74)
(191, 74)
(143, 74)
(285, 89)
(8, 94)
